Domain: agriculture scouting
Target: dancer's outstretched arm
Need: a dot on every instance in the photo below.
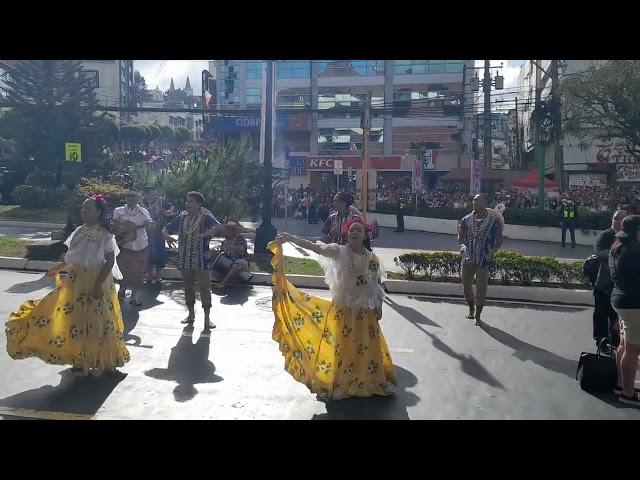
(301, 242)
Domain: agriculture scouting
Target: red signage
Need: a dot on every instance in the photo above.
(378, 163)
(608, 155)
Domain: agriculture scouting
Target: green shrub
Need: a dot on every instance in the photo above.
(531, 216)
(87, 187)
(38, 178)
(509, 267)
(29, 196)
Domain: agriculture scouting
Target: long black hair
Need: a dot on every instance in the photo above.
(346, 198)
(628, 236)
(104, 220)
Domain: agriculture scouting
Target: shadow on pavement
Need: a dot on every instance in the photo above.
(527, 352)
(468, 363)
(32, 285)
(235, 295)
(188, 365)
(503, 304)
(411, 314)
(376, 408)
(74, 394)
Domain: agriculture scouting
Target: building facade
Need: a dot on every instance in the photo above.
(113, 80)
(413, 102)
(190, 121)
(595, 164)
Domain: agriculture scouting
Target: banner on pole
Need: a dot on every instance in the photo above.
(416, 176)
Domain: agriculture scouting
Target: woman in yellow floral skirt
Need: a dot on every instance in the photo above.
(79, 323)
(336, 348)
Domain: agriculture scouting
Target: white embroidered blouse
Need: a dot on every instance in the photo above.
(87, 247)
(354, 280)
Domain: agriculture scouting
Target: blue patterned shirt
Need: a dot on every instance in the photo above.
(479, 238)
(193, 252)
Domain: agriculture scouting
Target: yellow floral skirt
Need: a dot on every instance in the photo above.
(337, 352)
(71, 327)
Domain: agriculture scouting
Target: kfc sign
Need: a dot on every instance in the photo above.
(353, 162)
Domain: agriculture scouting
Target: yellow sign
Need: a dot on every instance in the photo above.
(73, 152)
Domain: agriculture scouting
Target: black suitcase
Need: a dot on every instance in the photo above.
(597, 372)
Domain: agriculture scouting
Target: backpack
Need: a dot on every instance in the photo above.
(590, 269)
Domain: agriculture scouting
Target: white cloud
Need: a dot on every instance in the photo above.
(176, 69)
(510, 70)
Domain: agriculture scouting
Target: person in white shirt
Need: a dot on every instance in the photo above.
(129, 224)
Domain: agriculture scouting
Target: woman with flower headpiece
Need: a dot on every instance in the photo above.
(79, 323)
(336, 348)
(345, 211)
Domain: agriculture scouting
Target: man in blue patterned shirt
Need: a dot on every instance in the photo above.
(480, 236)
(195, 227)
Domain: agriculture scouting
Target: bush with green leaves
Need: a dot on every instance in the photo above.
(509, 268)
(29, 196)
(113, 192)
(227, 177)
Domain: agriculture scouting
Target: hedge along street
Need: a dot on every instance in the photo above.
(511, 268)
(531, 217)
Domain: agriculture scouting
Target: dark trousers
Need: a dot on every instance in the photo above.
(400, 220)
(570, 224)
(605, 318)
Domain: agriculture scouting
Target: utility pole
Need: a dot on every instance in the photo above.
(266, 232)
(486, 88)
(517, 136)
(538, 136)
(365, 124)
(557, 125)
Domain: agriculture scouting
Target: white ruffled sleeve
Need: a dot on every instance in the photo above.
(67, 242)
(329, 250)
(110, 246)
(327, 260)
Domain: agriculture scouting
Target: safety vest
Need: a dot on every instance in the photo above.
(569, 213)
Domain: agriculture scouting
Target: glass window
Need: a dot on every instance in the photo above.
(413, 67)
(293, 69)
(254, 69)
(254, 95)
(350, 68)
(332, 139)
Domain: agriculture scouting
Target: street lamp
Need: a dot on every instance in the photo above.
(266, 232)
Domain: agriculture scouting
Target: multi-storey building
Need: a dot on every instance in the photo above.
(413, 102)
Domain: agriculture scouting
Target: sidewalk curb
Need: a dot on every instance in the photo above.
(496, 292)
(52, 226)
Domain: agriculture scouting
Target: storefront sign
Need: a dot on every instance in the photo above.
(588, 180)
(628, 172)
(297, 166)
(609, 155)
(219, 125)
(429, 162)
(378, 163)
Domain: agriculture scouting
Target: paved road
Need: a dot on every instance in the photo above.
(521, 366)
